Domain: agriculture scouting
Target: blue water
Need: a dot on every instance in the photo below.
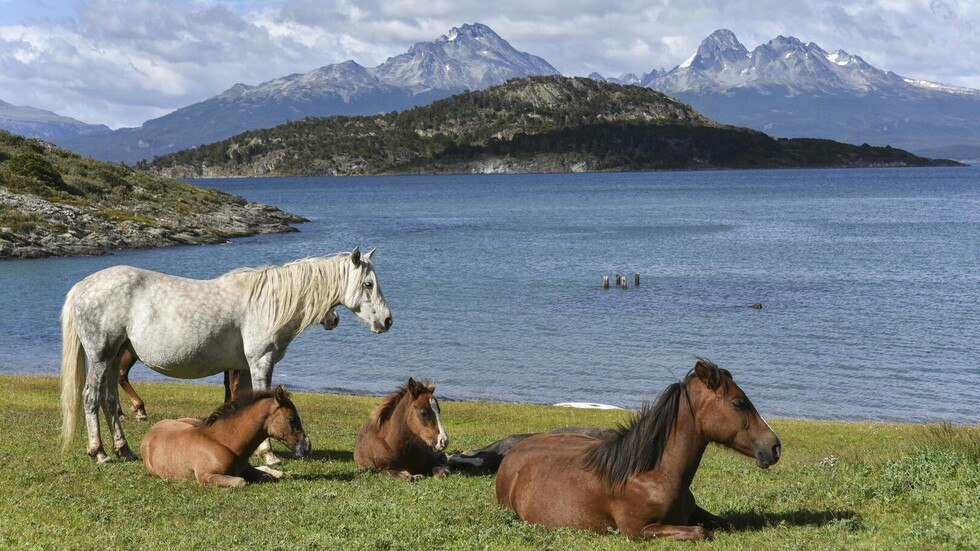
(870, 281)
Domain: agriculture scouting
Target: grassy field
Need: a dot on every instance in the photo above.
(839, 485)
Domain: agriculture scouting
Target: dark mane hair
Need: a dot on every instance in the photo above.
(638, 445)
(239, 403)
(387, 406)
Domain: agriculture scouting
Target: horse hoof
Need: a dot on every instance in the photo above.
(271, 459)
(126, 454)
(101, 458)
(142, 417)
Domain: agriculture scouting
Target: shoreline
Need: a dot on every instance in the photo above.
(189, 179)
(353, 393)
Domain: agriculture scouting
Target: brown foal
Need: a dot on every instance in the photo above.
(232, 378)
(405, 436)
(638, 479)
(216, 451)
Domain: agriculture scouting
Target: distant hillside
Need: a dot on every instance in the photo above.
(534, 124)
(470, 57)
(38, 123)
(55, 203)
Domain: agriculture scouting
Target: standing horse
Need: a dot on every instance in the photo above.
(638, 480)
(232, 380)
(241, 321)
(405, 437)
(216, 451)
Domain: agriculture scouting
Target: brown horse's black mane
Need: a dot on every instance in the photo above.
(638, 445)
(239, 403)
(384, 410)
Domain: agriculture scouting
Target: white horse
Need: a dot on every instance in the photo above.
(188, 328)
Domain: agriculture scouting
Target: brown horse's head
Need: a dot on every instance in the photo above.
(330, 320)
(423, 415)
(284, 424)
(726, 415)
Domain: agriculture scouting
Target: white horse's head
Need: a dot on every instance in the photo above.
(363, 296)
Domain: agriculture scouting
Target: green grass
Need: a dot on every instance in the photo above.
(839, 485)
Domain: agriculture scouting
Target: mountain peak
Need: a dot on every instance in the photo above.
(717, 51)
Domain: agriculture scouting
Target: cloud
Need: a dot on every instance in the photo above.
(124, 62)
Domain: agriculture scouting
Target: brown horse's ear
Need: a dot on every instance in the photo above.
(708, 372)
(281, 394)
(355, 257)
(413, 387)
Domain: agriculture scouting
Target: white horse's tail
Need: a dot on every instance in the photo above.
(72, 371)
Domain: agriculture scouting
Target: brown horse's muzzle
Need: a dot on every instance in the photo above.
(302, 448)
(767, 454)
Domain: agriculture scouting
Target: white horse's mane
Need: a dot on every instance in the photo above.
(303, 288)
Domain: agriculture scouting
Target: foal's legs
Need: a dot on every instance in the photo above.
(213, 479)
(674, 532)
(126, 364)
(110, 408)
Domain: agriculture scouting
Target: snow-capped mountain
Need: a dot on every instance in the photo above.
(38, 123)
(469, 57)
(786, 87)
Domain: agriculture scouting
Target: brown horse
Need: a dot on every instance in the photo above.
(232, 378)
(405, 437)
(216, 450)
(638, 480)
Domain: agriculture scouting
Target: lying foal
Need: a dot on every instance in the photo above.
(405, 437)
(216, 451)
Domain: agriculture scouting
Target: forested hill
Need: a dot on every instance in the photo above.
(533, 124)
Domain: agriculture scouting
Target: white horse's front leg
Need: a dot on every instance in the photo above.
(261, 371)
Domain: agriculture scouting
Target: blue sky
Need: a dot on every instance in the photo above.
(121, 62)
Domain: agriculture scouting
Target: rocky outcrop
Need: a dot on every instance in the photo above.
(60, 229)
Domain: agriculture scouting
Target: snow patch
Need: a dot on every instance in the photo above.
(687, 62)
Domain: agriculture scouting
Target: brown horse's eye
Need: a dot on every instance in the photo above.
(740, 404)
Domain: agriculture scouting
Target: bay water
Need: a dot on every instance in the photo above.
(869, 280)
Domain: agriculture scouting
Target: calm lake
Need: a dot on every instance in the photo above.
(870, 281)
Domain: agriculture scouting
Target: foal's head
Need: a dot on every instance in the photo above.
(363, 295)
(330, 320)
(284, 424)
(416, 407)
(726, 415)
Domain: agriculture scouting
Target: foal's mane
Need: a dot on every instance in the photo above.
(387, 407)
(638, 445)
(304, 288)
(240, 402)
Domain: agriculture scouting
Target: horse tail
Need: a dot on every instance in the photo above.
(72, 371)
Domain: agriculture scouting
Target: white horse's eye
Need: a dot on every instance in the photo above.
(368, 284)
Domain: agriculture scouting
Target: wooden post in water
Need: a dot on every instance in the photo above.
(605, 282)
(636, 279)
(617, 279)
(624, 282)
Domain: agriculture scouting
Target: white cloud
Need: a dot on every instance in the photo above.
(124, 62)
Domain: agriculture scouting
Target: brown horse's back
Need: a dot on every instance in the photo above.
(364, 448)
(543, 480)
(176, 449)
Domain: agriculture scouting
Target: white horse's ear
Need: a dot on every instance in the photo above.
(369, 253)
(355, 257)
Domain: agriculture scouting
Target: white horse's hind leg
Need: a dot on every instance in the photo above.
(91, 396)
(110, 408)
